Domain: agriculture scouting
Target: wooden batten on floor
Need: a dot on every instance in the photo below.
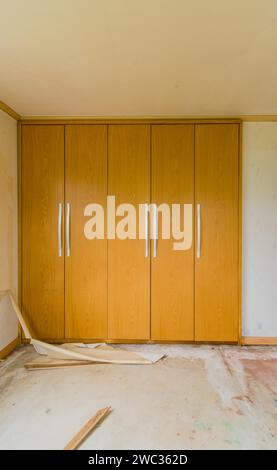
(87, 428)
(259, 340)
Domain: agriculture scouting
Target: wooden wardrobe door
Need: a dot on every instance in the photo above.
(42, 267)
(86, 266)
(128, 268)
(172, 272)
(216, 270)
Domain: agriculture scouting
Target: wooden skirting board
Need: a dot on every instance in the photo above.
(259, 340)
(9, 348)
(7, 307)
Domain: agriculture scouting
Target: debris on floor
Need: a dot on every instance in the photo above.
(68, 355)
(64, 355)
(87, 428)
(200, 396)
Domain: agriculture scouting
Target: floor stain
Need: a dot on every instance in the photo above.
(263, 372)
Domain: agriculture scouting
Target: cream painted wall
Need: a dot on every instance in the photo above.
(8, 224)
(259, 307)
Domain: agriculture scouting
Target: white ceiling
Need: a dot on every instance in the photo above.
(139, 57)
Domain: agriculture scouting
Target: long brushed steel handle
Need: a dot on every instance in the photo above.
(198, 231)
(67, 228)
(155, 232)
(60, 211)
(146, 247)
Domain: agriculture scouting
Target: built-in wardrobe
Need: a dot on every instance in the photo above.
(133, 289)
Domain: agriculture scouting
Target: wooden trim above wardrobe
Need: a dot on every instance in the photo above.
(128, 120)
(145, 119)
(134, 119)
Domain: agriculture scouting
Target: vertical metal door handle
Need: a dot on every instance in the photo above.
(67, 228)
(198, 231)
(146, 232)
(60, 229)
(155, 232)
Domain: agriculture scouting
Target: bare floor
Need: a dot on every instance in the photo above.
(198, 397)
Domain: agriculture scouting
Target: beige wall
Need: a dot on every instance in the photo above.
(259, 306)
(8, 223)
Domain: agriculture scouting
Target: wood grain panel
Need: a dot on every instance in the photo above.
(128, 268)
(172, 272)
(216, 271)
(86, 267)
(42, 191)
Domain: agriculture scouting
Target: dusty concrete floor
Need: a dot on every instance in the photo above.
(199, 397)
